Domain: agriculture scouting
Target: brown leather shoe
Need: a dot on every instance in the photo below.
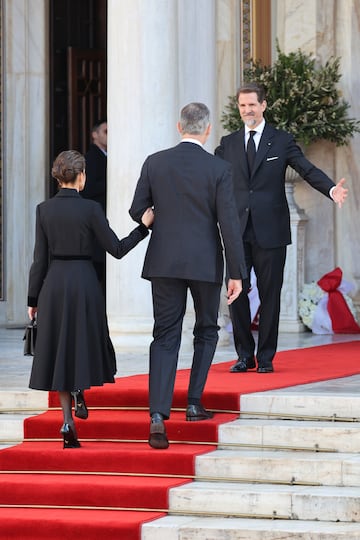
(243, 364)
(157, 437)
(194, 413)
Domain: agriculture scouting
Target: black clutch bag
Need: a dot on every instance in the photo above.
(30, 338)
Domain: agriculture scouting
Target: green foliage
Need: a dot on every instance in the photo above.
(302, 98)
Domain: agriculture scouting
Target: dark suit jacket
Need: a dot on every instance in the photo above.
(192, 193)
(264, 193)
(95, 187)
(67, 225)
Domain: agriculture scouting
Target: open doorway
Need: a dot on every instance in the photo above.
(78, 38)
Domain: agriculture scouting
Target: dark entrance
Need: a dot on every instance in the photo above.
(78, 37)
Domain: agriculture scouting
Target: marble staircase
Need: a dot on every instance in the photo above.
(15, 406)
(288, 468)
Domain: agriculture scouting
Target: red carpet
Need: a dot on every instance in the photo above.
(132, 480)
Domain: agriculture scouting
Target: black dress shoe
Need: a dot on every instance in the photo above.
(157, 437)
(268, 369)
(243, 364)
(194, 413)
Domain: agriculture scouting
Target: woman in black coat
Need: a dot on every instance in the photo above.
(73, 349)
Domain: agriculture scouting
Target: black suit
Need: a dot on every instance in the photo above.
(265, 226)
(95, 186)
(95, 189)
(192, 194)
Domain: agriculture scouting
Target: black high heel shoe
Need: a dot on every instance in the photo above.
(80, 405)
(70, 441)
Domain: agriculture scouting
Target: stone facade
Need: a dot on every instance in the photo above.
(161, 55)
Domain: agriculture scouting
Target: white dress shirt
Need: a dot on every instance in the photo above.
(257, 135)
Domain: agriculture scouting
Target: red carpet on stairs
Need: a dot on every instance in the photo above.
(115, 482)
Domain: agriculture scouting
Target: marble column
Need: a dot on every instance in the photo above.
(197, 75)
(24, 140)
(347, 219)
(228, 76)
(197, 56)
(228, 65)
(159, 58)
(142, 114)
(295, 265)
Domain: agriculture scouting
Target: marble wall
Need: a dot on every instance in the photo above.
(25, 110)
(329, 28)
(162, 54)
(159, 85)
(143, 96)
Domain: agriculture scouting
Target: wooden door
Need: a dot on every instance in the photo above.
(86, 94)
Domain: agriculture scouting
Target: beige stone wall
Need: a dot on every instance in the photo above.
(329, 28)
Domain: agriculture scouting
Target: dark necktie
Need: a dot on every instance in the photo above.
(251, 150)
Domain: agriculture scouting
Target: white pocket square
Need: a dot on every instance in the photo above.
(272, 158)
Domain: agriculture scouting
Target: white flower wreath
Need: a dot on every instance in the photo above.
(313, 296)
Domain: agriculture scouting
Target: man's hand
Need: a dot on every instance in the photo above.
(32, 312)
(233, 290)
(339, 193)
(148, 217)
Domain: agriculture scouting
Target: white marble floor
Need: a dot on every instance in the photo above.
(15, 368)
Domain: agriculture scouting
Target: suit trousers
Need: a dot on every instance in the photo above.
(268, 265)
(169, 304)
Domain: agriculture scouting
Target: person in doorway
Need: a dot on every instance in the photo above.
(96, 187)
(96, 165)
(73, 348)
(260, 154)
(191, 192)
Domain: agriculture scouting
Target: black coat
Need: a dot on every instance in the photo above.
(73, 348)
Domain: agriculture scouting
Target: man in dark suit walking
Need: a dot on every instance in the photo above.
(260, 155)
(192, 195)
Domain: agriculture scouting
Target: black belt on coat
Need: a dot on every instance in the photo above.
(70, 258)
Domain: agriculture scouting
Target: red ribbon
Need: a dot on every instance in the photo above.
(342, 319)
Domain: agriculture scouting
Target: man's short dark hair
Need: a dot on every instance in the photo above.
(98, 123)
(249, 88)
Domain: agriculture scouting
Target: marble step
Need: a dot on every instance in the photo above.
(315, 503)
(193, 528)
(23, 400)
(15, 407)
(12, 428)
(332, 469)
(292, 434)
(3, 446)
(302, 401)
